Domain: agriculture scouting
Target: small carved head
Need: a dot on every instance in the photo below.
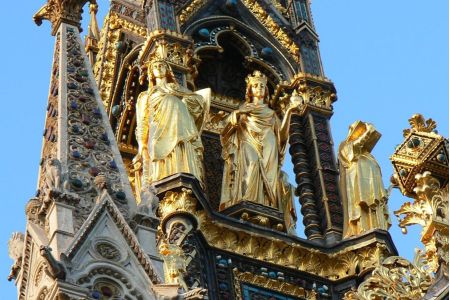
(54, 162)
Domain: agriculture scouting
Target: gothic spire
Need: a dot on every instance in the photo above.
(80, 156)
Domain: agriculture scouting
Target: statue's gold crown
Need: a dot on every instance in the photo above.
(159, 54)
(257, 76)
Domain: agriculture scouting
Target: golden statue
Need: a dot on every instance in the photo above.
(169, 123)
(287, 206)
(364, 197)
(253, 146)
(174, 263)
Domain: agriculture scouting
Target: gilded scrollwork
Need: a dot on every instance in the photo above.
(396, 278)
(430, 210)
(271, 25)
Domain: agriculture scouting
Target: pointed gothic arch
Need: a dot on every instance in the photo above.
(258, 51)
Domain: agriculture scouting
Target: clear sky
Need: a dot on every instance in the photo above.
(388, 60)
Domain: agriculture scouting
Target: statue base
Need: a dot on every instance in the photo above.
(257, 214)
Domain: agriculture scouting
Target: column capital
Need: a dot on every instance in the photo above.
(61, 11)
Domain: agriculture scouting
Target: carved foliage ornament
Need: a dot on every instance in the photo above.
(108, 251)
(430, 210)
(15, 250)
(315, 91)
(418, 124)
(173, 202)
(58, 11)
(348, 262)
(396, 278)
(271, 25)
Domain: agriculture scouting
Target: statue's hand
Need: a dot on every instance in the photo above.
(244, 110)
(137, 159)
(295, 101)
(219, 116)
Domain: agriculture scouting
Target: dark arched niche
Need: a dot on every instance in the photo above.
(223, 70)
(232, 51)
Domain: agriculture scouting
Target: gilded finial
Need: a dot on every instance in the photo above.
(418, 124)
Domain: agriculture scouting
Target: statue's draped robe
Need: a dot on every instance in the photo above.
(252, 150)
(169, 119)
(287, 207)
(363, 193)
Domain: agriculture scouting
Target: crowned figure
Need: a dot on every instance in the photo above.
(253, 141)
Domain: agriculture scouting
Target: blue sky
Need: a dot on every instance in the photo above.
(388, 60)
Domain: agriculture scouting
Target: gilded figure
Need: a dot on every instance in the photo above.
(364, 197)
(174, 263)
(169, 123)
(253, 145)
(286, 201)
